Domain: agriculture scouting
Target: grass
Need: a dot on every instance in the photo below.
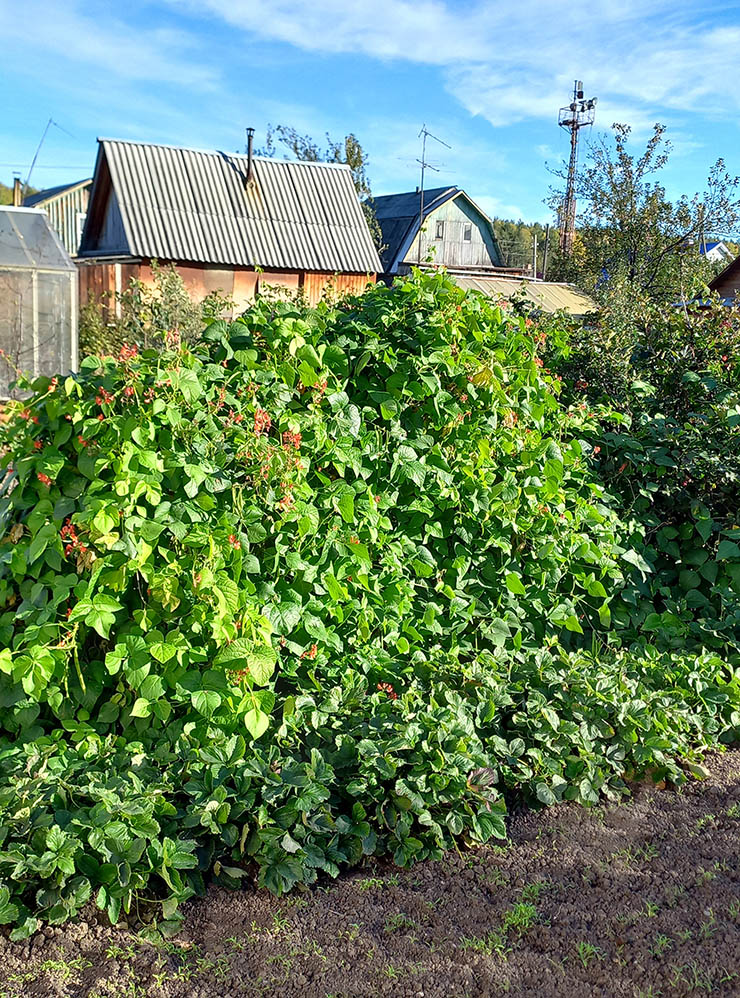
(661, 944)
(377, 883)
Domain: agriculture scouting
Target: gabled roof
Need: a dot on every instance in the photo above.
(398, 217)
(731, 271)
(41, 197)
(407, 205)
(28, 242)
(191, 205)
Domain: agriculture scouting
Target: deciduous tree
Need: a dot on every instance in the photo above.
(630, 231)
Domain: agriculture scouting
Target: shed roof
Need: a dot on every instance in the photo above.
(192, 205)
(547, 295)
(28, 242)
(41, 197)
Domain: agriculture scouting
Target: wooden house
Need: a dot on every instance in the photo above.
(229, 223)
(66, 207)
(727, 283)
(454, 233)
(716, 252)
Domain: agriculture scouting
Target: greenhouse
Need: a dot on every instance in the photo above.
(38, 298)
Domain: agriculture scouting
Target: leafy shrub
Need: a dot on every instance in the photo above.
(147, 314)
(285, 598)
(670, 456)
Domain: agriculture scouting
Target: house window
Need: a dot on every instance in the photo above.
(468, 233)
(440, 230)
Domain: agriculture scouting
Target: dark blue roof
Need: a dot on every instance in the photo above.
(407, 205)
(397, 214)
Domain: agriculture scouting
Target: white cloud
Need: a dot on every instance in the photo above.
(100, 48)
(644, 58)
(427, 31)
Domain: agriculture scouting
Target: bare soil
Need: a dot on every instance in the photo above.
(636, 899)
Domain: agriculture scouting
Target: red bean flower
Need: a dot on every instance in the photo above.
(262, 422)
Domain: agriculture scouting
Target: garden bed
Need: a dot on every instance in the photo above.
(640, 898)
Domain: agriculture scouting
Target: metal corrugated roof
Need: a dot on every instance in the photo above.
(52, 192)
(191, 205)
(549, 296)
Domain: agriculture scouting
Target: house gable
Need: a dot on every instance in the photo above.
(455, 234)
(455, 229)
(112, 236)
(727, 283)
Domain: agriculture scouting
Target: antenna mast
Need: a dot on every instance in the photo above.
(423, 136)
(49, 123)
(580, 112)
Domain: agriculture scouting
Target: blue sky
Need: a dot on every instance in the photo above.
(486, 77)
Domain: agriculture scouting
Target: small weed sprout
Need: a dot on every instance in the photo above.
(709, 926)
(531, 892)
(661, 944)
(398, 921)
(587, 953)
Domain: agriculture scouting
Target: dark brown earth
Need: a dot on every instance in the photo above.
(641, 898)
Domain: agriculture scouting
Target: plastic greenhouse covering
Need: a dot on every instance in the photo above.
(38, 298)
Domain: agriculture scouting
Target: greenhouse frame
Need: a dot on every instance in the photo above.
(38, 298)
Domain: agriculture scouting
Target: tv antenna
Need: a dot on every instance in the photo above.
(49, 123)
(579, 113)
(423, 135)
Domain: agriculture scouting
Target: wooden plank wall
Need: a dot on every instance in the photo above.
(100, 281)
(315, 284)
(729, 286)
(66, 213)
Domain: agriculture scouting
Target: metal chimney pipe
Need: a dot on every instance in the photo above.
(250, 157)
(17, 192)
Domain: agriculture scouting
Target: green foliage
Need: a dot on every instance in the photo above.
(630, 232)
(326, 583)
(516, 241)
(149, 315)
(671, 459)
(6, 193)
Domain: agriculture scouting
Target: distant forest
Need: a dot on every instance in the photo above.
(6, 193)
(516, 241)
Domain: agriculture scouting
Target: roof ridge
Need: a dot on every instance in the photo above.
(405, 194)
(221, 152)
